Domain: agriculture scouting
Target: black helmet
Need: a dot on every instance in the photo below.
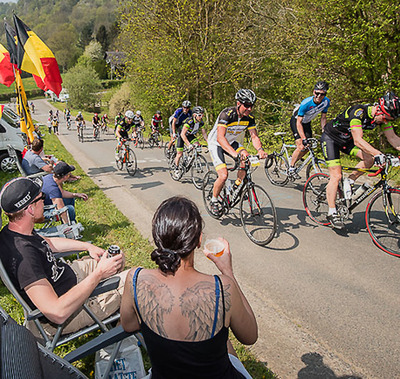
(390, 104)
(322, 86)
(186, 104)
(158, 112)
(246, 96)
(198, 110)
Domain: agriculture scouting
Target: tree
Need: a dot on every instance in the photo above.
(93, 51)
(102, 38)
(83, 85)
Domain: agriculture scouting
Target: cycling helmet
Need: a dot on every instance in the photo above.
(79, 113)
(390, 104)
(186, 104)
(246, 96)
(138, 113)
(198, 110)
(158, 112)
(95, 115)
(129, 114)
(105, 114)
(322, 86)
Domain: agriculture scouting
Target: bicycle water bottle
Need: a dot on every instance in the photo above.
(360, 190)
(236, 187)
(347, 189)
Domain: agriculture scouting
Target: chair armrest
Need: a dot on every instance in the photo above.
(106, 285)
(34, 315)
(114, 335)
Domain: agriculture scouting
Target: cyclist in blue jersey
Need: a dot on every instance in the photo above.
(345, 134)
(177, 119)
(223, 139)
(300, 123)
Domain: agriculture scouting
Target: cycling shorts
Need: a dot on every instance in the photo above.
(331, 150)
(123, 134)
(306, 128)
(218, 153)
(180, 143)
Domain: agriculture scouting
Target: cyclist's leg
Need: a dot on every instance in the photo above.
(366, 161)
(240, 149)
(170, 132)
(218, 158)
(300, 150)
(179, 150)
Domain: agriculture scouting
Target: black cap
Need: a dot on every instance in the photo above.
(18, 193)
(62, 168)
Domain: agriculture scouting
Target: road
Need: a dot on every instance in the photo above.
(327, 304)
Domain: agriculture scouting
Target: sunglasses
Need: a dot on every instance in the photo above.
(42, 197)
(320, 93)
(248, 105)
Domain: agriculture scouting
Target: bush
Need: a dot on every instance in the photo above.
(121, 100)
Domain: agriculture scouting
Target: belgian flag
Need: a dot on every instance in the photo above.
(35, 57)
(6, 68)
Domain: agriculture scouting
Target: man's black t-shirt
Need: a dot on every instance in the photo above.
(28, 258)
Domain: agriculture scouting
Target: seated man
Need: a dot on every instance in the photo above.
(33, 162)
(55, 194)
(57, 289)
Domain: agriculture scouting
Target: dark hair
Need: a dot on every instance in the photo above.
(37, 144)
(177, 227)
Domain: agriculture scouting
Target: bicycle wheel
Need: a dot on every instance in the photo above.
(314, 198)
(141, 141)
(258, 215)
(130, 162)
(382, 217)
(199, 170)
(207, 187)
(276, 168)
(320, 167)
(176, 172)
(80, 136)
(151, 141)
(119, 163)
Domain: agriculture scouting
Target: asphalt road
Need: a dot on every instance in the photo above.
(327, 304)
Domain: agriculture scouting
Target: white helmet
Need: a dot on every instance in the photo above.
(138, 113)
(129, 114)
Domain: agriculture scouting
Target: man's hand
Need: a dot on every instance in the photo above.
(379, 160)
(243, 154)
(109, 266)
(82, 196)
(305, 142)
(96, 252)
(262, 154)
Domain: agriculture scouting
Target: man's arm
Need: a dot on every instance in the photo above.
(59, 203)
(183, 136)
(392, 138)
(361, 143)
(203, 131)
(59, 309)
(221, 139)
(300, 128)
(323, 121)
(173, 125)
(257, 143)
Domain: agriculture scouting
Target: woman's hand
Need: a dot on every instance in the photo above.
(224, 261)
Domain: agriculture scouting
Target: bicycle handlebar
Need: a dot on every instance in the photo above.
(389, 161)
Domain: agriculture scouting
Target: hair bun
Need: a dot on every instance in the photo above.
(167, 260)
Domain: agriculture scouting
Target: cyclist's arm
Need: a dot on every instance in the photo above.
(221, 139)
(203, 131)
(323, 121)
(173, 125)
(117, 132)
(257, 143)
(183, 136)
(392, 138)
(300, 128)
(360, 142)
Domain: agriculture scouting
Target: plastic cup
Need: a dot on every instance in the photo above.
(214, 246)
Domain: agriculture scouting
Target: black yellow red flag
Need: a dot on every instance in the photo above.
(35, 57)
(6, 68)
(26, 123)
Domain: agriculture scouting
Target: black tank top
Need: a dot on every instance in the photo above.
(189, 359)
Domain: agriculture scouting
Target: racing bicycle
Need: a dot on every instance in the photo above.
(104, 127)
(192, 161)
(155, 140)
(127, 157)
(382, 215)
(277, 164)
(171, 152)
(257, 211)
(80, 126)
(96, 132)
(139, 140)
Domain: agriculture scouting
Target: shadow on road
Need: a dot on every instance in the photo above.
(317, 369)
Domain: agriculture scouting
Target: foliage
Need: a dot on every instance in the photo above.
(121, 100)
(93, 51)
(83, 84)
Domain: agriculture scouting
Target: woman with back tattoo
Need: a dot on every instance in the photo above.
(185, 315)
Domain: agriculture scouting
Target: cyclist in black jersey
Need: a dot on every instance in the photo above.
(345, 134)
(80, 122)
(222, 140)
(122, 130)
(138, 122)
(191, 127)
(95, 123)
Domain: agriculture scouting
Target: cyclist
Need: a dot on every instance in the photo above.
(95, 123)
(345, 133)
(122, 130)
(80, 122)
(32, 107)
(188, 134)
(104, 121)
(177, 119)
(222, 140)
(54, 124)
(68, 118)
(300, 122)
(138, 122)
(118, 118)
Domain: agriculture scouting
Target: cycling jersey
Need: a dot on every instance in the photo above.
(181, 116)
(156, 121)
(79, 118)
(104, 119)
(137, 120)
(234, 125)
(124, 128)
(96, 120)
(309, 110)
(192, 126)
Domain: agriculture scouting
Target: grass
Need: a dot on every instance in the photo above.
(105, 225)
(29, 84)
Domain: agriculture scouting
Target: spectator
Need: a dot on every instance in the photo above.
(33, 162)
(49, 120)
(183, 314)
(57, 289)
(55, 125)
(55, 194)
